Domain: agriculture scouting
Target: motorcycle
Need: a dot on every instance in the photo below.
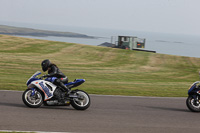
(193, 100)
(41, 91)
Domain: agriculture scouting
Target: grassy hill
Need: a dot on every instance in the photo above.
(106, 70)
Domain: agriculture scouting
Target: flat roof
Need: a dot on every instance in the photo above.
(127, 36)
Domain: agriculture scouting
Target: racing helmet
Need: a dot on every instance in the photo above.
(45, 64)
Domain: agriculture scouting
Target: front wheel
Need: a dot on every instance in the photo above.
(193, 104)
(82, 102)
(33, 101)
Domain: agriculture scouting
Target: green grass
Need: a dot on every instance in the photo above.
(107, 71)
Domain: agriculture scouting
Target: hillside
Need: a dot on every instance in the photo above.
(10, 30)
(106, 70)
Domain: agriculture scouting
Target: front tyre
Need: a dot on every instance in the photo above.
(82, 102)
(193, 104)
(33, 101)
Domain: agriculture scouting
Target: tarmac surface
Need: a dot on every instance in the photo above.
(107, 114)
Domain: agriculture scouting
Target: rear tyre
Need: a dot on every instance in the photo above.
(192, 104)
(81, 103)
(34, 101)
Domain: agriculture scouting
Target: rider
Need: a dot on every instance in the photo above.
(53, 71)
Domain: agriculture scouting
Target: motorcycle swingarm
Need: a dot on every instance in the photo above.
(74, 96)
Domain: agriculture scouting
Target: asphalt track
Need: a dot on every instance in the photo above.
(106, 114)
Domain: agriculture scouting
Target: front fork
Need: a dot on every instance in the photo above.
(33, 91)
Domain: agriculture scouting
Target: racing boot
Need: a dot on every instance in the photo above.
(64, 88)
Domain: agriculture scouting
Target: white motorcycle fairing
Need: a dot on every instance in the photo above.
(46, 87)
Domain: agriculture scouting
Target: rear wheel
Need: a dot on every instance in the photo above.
(193, 104)
(33, 101)
(82, 102)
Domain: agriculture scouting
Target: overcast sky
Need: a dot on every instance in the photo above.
(168, 16)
